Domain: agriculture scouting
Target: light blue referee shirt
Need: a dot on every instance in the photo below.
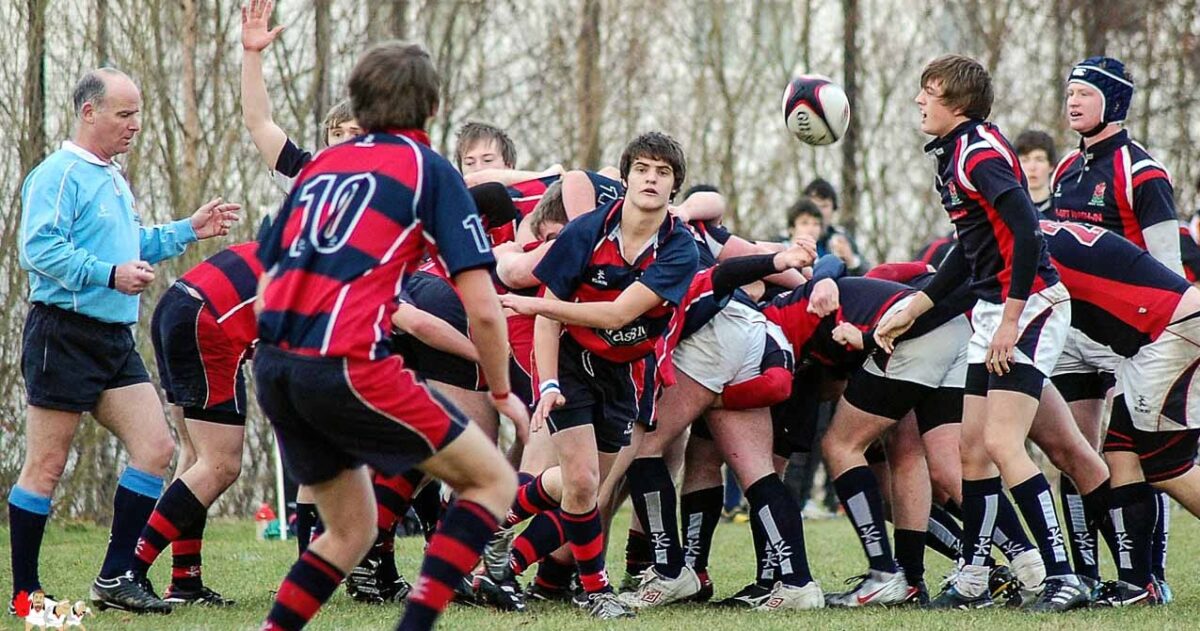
(77, 224)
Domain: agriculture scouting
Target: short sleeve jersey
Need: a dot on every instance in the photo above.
(975, 167)
(358, 221)
(527, 194)
(586, 264)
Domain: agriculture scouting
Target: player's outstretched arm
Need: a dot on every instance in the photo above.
(434, 332)
(507, 177)
(515, 266)
(489, 331)
(256, 105)
(737, 246)
(614, 314)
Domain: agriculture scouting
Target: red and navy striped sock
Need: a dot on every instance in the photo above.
(554, 574)
(543, 535)
(177, 512)
(586, 536)
(311, 581)
(185, 557)
(532, 499)
(393, 495)
(452, 553)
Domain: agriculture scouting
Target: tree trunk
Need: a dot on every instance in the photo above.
(591, 97)
(191, 108)
(33, 143)
(849, 201)
(101, 33)
(399, 19)
(321, 100)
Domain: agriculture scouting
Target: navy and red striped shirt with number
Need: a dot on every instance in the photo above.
(528, 193)
(975, 166)
(585, 264)
(1114, 184)
(228, 282)
(1120, 295)
(359, 219)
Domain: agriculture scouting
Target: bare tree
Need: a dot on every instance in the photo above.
(321, 90)
(849, 204)
(33, 143)
(591, 94)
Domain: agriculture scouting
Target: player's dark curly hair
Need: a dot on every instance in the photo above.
(656, 146)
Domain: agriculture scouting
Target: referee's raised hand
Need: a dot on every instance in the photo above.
(214, 218)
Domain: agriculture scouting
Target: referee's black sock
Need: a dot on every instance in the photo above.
(27, 516)
(133, 503)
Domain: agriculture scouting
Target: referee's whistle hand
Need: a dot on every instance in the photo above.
(133, 277)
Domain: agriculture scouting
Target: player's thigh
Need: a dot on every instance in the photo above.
(679, 406)
(470, 460)
(473, 404)
(1185, 489)
(745, 440)
(852, 430)
(134, 414)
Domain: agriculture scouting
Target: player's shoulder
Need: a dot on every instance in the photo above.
(1140, 159)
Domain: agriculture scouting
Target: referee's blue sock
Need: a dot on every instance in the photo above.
(137, 493)
(27, 515)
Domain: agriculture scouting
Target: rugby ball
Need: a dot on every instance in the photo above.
(816, 109)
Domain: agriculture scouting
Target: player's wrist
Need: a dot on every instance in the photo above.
(501, 395)
(548, 386)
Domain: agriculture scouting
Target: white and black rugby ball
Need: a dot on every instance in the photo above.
(816, 109)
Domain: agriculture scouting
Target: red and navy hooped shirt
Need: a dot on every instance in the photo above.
(863, 301)
(527, 194)
(359, 219)
(1120, 295)
(975, 166)
(585, 264)
(1114, 184)
(228, 283)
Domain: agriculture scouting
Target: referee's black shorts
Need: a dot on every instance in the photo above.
(69, 359)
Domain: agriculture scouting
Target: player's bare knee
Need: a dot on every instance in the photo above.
(42, 475)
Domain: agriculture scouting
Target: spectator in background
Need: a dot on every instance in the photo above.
(834, 239)
(1035, 150)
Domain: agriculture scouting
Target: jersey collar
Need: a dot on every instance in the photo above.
(612, 226)
(419, 135)
(944, 144)
(1105, 147)
(88, 156)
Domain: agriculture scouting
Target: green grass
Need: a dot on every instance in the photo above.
(245, 569)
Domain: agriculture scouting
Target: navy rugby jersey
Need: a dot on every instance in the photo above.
(975, 166)
(1120, 295)
(585, 264)
(291, 160)
(358, 221)
(1113, 184)
(228, 283)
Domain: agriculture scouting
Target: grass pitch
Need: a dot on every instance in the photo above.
(248, 570)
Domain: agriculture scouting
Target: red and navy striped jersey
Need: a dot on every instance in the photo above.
(710, 239)
(1120, 295)
(585, 264)
(228, 283)
(863, 303)
(935, 251)
(358, 221)
(975, 166)
(527, 194)
(1114, 184)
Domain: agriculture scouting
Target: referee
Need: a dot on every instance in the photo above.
(88, 257)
